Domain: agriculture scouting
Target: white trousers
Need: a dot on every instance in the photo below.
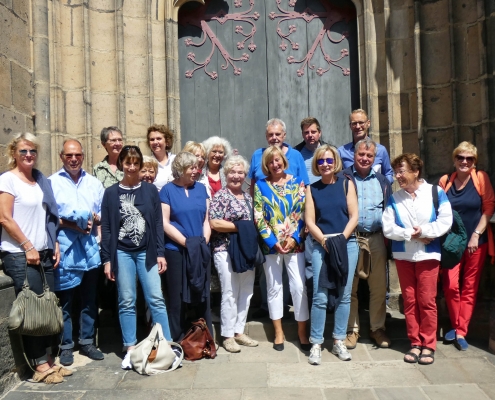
(237, 290)
(295, 264)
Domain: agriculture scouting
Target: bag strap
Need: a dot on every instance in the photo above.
(43, 278)
(176, 364)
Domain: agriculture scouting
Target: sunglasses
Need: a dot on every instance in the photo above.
(322, 161)
(469, 159)
(129, 147)
(25, 152)
(69, 156)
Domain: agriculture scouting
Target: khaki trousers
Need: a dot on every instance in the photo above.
(377, 282)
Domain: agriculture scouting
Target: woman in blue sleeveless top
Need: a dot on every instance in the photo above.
(331, 210)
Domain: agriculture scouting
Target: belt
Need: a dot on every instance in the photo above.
(367, 234)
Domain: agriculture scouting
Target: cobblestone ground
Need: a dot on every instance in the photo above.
(263, 373)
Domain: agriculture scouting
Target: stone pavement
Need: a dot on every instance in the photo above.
(263, 373)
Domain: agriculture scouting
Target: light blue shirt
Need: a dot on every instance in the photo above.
(307, 156)
(370, 202)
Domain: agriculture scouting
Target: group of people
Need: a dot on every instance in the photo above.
(164, 219)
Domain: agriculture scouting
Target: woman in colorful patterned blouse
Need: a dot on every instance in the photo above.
(228, 205)
(279, 206)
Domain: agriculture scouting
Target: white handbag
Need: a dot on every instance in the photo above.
(154, 355)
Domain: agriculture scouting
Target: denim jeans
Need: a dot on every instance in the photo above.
(320, 295)
(130, 265)
(14, 265)
(89, 310)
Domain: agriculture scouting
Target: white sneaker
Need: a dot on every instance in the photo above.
(315, 355)
(126, 362)
(340, 350)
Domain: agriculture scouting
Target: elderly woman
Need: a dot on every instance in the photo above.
(331, 215)
(200, 152)
(160, 141)
(29, 218)
(185, 206)
(217, 149)
(106, 171)
(229, 205)
(150, 169)
(132, 246)
(279, 205)
(471, 194)
(411, 222)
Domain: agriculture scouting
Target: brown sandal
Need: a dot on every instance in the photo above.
(61, 370)
(49, 376)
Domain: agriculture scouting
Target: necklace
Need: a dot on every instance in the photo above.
(463, 183)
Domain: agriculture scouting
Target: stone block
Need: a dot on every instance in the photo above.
(135, 9)
(349, 394)
(104, 111)
(7, 295)
(379, 70)
(469, 100)
(137, 116)
(410, 142)
(437, 106)
(413, 101)
(21, 8)
(64, 26)
(467, 133)
(437, 142)
(399, 106)
(475, 52)
(102, 30)
(72, 67)
(77, 38)
(103, 71)
(489, 389)
(11, 122)
(403, 393)
(104, 6)
(376, 6)
(400, 55)
(135, 36)
(159, 78)
(158, 39)
(382, 122)
(75, 111)
(383, 374)
(6, 3)
(434, 15)
(160, 111)
(401, 23)
(467, 52)
(22, 90)
(326, 375)
(466, 11)
(136, 76)
(435, 58)
(285, 393)
(264, 353)
(15, 38)
(5, 83)
(226, 375)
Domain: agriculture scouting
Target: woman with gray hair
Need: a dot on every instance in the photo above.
(185, 216)
(217, 149)
(106, 171)
(230, 205)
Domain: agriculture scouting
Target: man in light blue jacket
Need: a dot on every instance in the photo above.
(78, 196)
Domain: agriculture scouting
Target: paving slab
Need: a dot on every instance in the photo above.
(94, 378)
(231, 375)
(303, 374)
(488, 389)
(283, 393)
(450, 351)
(360, 353)
(180, 394)
(21, 395)
(181, 378)
(402, 393)
(265, 353)
(444, 371)
(391, 373)
(478, 370)
(461, 391)
(349, 394)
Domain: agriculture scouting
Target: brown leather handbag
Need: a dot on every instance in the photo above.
(198, 343)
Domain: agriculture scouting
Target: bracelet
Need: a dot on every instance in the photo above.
(23, 243)
(478, 233)
(28, 250)
(323, 242)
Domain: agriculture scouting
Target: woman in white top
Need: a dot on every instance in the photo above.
(160, 141)
(29, 218)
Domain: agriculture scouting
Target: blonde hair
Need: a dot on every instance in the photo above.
(359, 111)
(337, 162)
(12, 146)
(152, 162)
(268, 156)
(466, 147)
(192, 147)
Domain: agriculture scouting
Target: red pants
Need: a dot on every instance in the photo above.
(418, 282)
(460, 285)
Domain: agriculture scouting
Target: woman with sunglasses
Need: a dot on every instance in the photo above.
(471, 194)
(29, 218)
(132, 246)
(331, 212)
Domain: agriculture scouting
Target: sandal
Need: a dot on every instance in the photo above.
(431, 355)
(61, 370)
(415, 357)
(49, 376)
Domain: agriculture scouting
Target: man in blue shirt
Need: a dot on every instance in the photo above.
(78, 196)
(373, 190)
(360, 125)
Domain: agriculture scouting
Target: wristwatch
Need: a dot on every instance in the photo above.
(478, 233)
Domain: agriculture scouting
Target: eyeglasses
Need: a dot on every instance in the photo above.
(400, 173)
(69, 156)
(322, 161)
(468, 159)
(112, 141)
(356, 123)
(24, 152)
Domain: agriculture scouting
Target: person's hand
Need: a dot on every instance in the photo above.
(89, 227)
(279, 249)
(417, 232)
(425, 240)
(32, 257)
(96, 219)
(56, 255)
(108, 272)
(162, 264)
(473, 243)
(289, 244)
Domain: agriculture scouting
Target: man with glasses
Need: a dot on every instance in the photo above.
(78, 196)
(106, 171)
(373, 190)
(360, 125)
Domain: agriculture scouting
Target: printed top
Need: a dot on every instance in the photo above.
(105, 175)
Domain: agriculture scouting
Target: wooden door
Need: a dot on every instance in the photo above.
(243, 62)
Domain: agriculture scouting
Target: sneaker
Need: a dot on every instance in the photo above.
(381, 338)
(90, 351)
(450, 336)
(126, 362)
(231, 345)
(245, 340)
(340, 350)
(315, 355)
(351, 340)
(66, 357)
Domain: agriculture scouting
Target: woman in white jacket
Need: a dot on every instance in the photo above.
(411, 221)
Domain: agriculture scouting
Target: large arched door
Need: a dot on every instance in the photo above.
(242, 62)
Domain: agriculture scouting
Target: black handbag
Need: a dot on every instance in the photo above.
(36, 314)
(260, 257)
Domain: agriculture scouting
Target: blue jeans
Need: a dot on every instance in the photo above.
(320, 295)
(89, 310)
(130, 265)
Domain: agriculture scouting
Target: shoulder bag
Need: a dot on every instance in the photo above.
(198, 343)
(36, 314)
(260, 257)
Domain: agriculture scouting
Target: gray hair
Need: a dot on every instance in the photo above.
(12, 146)
(71, 140)
(359, 111)
(367, 143)
(182, 161)
(215, 141)
(106, 131)
(276, 121)
(232, 161)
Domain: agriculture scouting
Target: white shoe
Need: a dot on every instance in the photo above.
(315, 355)
(126, 362)
(340, 350)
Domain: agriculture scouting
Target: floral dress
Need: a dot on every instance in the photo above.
(278, 213)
